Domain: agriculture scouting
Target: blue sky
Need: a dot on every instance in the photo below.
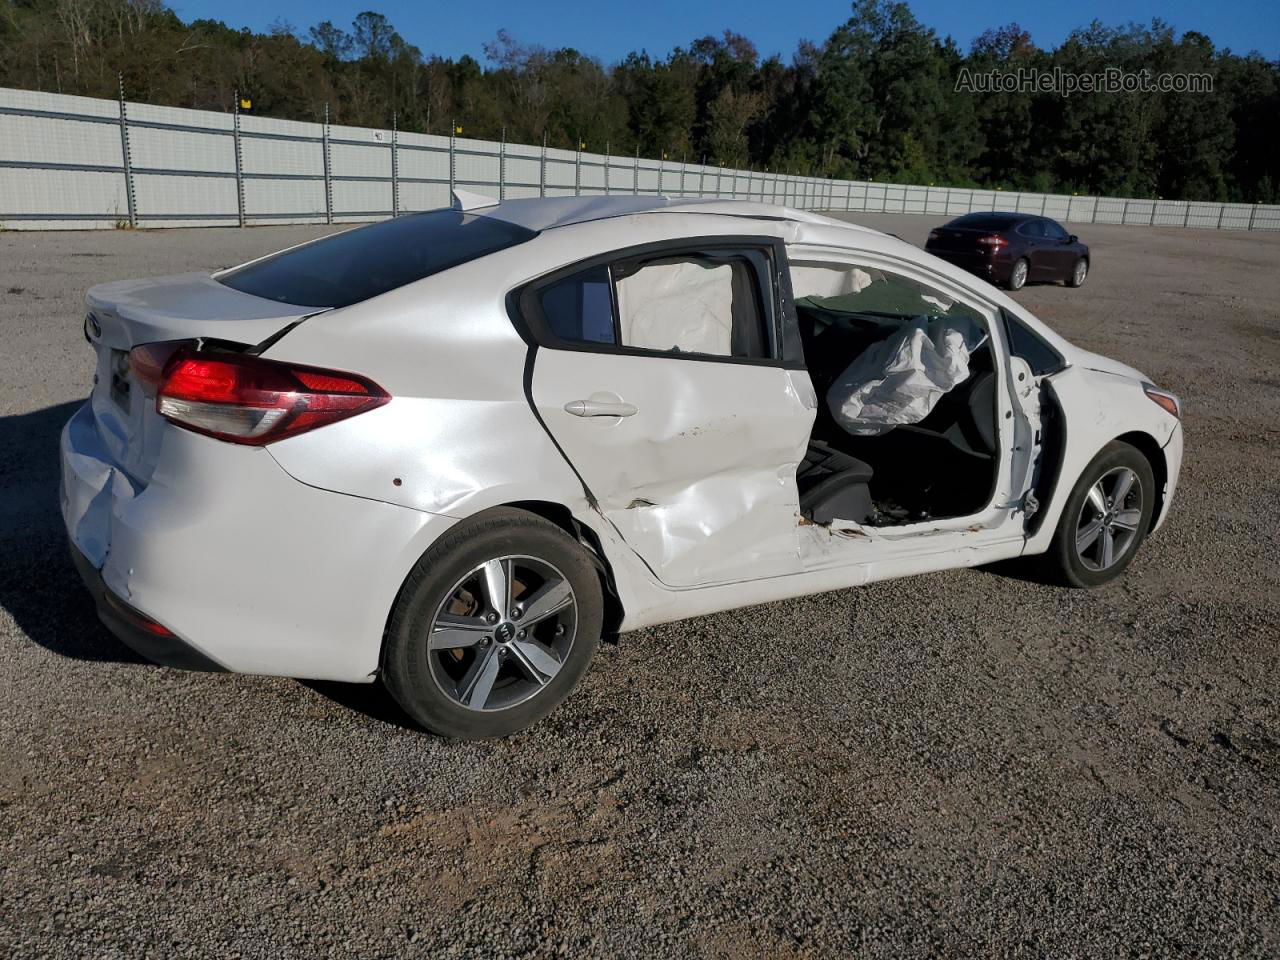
(610, 30)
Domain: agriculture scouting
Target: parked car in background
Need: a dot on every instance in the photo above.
(454, 449)
(1012, 249)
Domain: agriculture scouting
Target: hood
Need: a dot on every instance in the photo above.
(1101, 364)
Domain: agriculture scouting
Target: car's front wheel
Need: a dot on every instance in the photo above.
(494, 627)
(1105, 519)
(1078, 273)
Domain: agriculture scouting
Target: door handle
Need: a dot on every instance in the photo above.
(600, 408)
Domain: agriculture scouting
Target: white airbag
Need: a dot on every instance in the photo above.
(900, 379)
(682, 306)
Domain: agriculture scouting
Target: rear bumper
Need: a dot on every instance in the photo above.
(252, 571)
(994, 270)
(168, 651)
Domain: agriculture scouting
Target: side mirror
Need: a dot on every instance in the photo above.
(1073, 239)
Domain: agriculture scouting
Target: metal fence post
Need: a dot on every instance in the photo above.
(1252, 212)
(684, 163)
(124, 154)
(395, 165)
(702, 177)
(502, 166)
(542, 168)
(577, 169)
(328, 180)
(1186, 214)
(453, 157)
(1151, 222)
(635, 173)
(607, 151)
(1222, 208)
(239, 162)
(1124, 213)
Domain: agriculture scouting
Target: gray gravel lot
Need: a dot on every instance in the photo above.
(957, 764)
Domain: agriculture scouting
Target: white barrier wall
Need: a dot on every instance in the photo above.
(74, 162)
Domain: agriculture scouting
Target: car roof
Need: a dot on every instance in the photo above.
(1012, 215)
(548, 213)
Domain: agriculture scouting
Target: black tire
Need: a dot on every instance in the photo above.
(1018, 280)
(1075, 278)
(1063, 563)
(408, 670)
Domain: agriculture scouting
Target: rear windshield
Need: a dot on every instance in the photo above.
(986, 221)
(358, 264)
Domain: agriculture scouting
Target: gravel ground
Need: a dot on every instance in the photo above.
(957, 764)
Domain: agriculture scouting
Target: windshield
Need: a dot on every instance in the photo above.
(358, 264)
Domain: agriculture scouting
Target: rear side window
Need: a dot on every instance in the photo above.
(363, 263)
(580, 308)
(707, 304)
(1032, 228)
(691, 304)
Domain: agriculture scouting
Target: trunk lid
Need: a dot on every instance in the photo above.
(129, 313)
(959, 239)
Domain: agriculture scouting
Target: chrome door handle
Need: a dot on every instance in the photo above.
(600, 408)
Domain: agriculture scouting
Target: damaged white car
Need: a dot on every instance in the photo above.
(454, 449)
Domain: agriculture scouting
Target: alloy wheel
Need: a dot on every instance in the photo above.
(502, 633)
(1082, 271)
(1109, 519)
(1019, 274)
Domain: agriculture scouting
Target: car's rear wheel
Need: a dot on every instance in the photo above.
(1105, 519)
(1078, 273)
(1018, 275)
(494, 627)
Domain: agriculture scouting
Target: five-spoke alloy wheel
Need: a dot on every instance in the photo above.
(1109, 519)
(502, 633)
(494, 627)
(1105, 519)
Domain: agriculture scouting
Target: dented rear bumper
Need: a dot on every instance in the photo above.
(249, 570)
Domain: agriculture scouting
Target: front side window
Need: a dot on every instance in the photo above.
(1053, 230)
(363, 263)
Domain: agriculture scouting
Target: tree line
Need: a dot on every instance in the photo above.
(877, 99)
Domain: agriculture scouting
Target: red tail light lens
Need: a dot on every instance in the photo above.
(994, 241)
(250, 400)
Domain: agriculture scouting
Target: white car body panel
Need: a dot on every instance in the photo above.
(691, 502)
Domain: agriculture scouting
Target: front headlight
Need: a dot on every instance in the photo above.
(1164, 399)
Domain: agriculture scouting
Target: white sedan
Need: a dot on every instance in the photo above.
(454, 449)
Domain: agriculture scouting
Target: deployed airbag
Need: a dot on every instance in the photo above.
(683, 306)
(900, 379)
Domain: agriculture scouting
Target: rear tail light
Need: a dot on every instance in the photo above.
(993, 242)
(148, 361)
(250, 400)
(1164, 399)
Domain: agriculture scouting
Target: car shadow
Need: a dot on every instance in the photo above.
(370, 699)
(39, 586)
